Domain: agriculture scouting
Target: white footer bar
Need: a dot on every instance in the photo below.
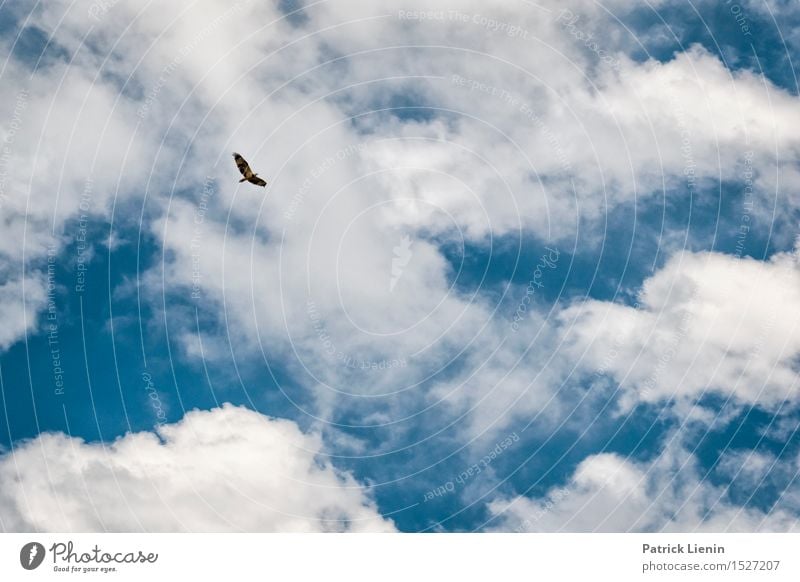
(400, 557)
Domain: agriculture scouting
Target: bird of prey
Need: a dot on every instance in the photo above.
(248, 174)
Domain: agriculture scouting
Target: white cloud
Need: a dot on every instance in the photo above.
(609, 493)
(528, 105)
(228, 469)
(18, 308)
(69, 146)
(707, 322)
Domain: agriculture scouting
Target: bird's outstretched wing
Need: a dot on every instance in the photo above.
(257, 181)
(243, 166)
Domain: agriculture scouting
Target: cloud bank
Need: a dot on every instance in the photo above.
(226, 469)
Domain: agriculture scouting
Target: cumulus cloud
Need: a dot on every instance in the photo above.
(706, 322)
(609, 493)
(227, 469)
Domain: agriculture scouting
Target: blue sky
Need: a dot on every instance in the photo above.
(648, 382)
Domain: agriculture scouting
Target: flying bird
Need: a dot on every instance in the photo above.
(248, 174)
